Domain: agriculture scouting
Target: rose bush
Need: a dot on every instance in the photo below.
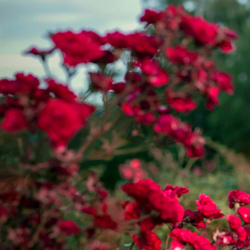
(45, 196)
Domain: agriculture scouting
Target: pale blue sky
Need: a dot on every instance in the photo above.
(26, 22)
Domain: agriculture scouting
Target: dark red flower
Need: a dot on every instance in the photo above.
(23, 84)
(105, 222)
(68, 227)
(14, 121)
(147, 240)
(101, 82)
(238, 197)
(61, 91)
(195, 218)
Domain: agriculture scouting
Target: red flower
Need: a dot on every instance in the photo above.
(181, 133)
(203, 31)
(132, 210)
(175, 191)
(156, 75)
(224, 81)
(212, 97)
(101, 82)
(238, 196)
(38, 52)
(61, 91)
(180, 54)
(184, 236)
(182, 104)
(141, 43)
(105, 222)
(3, 213)
(14, 121)
(23, 84)
(61, 120)
(226, 46)
(68, 227)
(195, 218)
(78, 48)
(152, 16)
(244, 213)
(148, 194)
(235, 225)
(147, 240)
(208, 208)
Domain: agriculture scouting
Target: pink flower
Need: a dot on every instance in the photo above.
(208, 208)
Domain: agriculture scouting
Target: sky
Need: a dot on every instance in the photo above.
(25, 23)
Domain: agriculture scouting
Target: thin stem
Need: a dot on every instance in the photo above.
(167, 242)
(46, 68)
(132, 245)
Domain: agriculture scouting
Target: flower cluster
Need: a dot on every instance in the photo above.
(54, 110)
(153, 206)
